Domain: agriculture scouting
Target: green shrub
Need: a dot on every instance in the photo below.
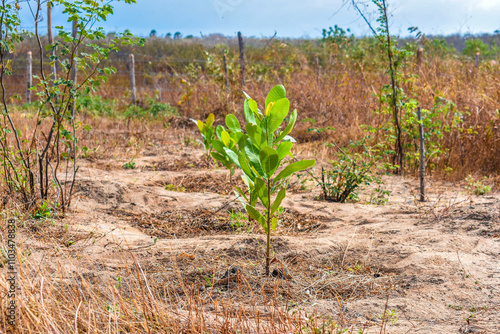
(477, 187)
(350, 171)
(259, 153)
(96, 105)
(151, 110)
(472, 46)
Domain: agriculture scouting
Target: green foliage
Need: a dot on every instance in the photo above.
(440, 48)
(207, 131)
(397, 136)
(215, 65)
(392, 97)
(173, 187)
(54, 144)
(44, 211)
(336, 39)
(440, 121)
(477, 187)
(389, 316)
(152, 109)
(260, 152)
(96, 105)
(350, 171)
(238, 221)
(475, 45)
(129, 165)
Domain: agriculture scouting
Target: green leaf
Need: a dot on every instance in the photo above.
(277, 202)
(269, 160)
(253, 107)
(219, 130)
(289, 127)
(257, 216)
(276, 93)
(247, 181)
(284, 149)
(253, 196)
(253, 155)
(293, 168)
(226, 139)
(209, 134)
(241, 193)
(201, 126)
(278, 113)
(274, 223)
(232, 123)
(241, 141)
(253, 132)
(233, 157)
(249, 115)
(244, 165)
(210, 120)
(221, 158)
(218, 146)
(266, 135)
(260, 189)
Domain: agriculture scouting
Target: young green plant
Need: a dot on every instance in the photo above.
(259, 153)
(207, 131)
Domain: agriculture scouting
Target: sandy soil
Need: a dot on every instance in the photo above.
(436, 264)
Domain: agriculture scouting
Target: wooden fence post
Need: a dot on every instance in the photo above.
(420, 58)
(226, 75)
(29, 78)
(132, 78)
(422, 155)
(74, 69)
(476, 60)
(242, 58)
(51, 38)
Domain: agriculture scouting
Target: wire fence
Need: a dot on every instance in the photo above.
(157, 75)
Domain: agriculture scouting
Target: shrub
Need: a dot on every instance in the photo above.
(259, 153)
(96, 105)
(152, 109)
(477, 187)
(349, 173)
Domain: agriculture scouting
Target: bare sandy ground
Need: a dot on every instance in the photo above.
(439, 261)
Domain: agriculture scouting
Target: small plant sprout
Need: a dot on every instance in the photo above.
(238, 220)
(390, 316)
(129, 165)
(173, 187)
(259, 152)
(477, 187)
(207, 131)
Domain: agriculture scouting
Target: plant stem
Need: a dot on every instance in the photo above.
(268, 247)
(392, 71)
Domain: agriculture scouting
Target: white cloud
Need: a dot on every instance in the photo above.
(477, 4)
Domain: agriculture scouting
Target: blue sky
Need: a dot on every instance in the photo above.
(295, 18)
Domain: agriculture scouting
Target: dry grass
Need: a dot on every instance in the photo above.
(340, 94)
(64, 289)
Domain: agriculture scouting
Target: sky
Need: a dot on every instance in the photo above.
(294, 18)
